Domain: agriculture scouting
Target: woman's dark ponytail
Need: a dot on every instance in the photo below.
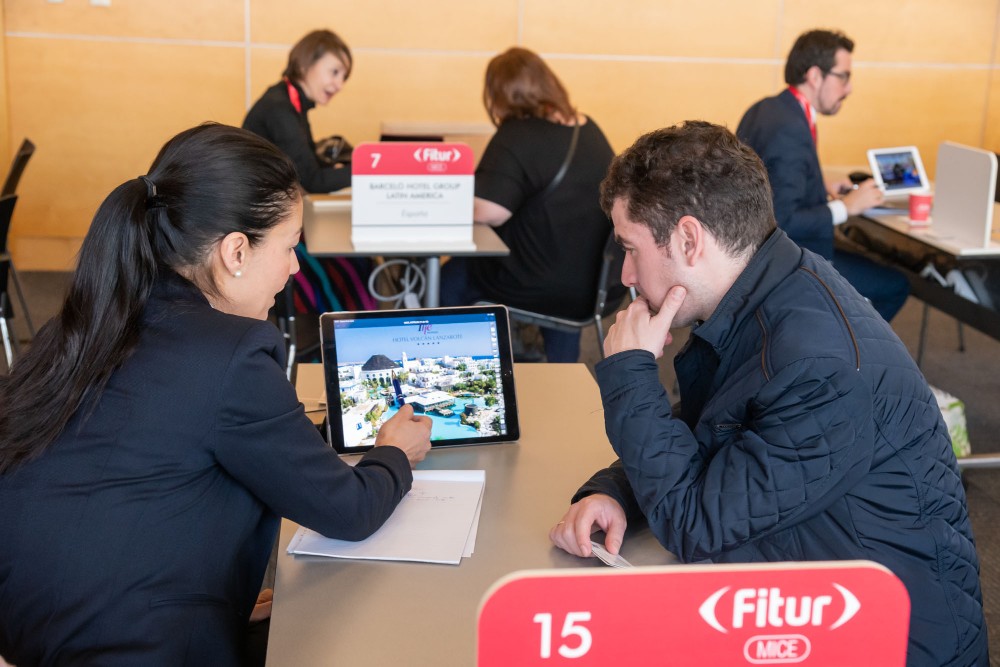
(93, 333)
(204, 184)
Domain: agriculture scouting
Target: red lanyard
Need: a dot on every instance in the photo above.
(806, 108)
(293, 96)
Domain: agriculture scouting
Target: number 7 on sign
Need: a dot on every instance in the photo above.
(375, 158)
(570, 628)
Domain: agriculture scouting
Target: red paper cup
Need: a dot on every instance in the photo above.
(920, 207)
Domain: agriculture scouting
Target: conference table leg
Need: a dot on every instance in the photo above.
(432, 295)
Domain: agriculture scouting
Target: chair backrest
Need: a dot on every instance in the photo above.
(24, 153)
(610, 290)
(283, 313)
(6, 213)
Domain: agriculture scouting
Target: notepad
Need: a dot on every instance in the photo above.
(436, 522)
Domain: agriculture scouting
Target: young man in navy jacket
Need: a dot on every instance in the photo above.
(804, 432)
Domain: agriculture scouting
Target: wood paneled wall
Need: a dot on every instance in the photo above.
(99, 89)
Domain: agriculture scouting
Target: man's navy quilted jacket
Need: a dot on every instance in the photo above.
(805, 432)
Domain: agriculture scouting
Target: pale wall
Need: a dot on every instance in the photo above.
(100, 89)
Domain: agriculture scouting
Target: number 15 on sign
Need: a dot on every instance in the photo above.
(572, 627)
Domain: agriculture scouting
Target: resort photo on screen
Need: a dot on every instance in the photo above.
(446, 367)
(899, 170)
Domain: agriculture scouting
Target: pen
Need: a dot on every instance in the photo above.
(398, 391)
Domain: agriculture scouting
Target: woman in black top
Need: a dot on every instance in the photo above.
(556, 235)
(318, 67)
(149, 440)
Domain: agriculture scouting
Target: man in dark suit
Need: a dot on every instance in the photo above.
(782, 130)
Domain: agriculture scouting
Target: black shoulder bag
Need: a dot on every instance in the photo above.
(561, 174)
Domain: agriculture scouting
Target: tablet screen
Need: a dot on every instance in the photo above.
(450, 364)
(898, 170)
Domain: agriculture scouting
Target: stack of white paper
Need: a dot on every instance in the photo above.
(436, 522)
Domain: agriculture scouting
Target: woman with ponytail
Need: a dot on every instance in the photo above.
(149, 441)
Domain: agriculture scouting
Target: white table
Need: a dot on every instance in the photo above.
(326, 222)
(329, 611)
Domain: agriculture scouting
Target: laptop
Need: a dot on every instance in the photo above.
(453, 365)
(898, 171)
(964, 201)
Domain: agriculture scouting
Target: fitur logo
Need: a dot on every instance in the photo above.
(768, 608)
(431, 154)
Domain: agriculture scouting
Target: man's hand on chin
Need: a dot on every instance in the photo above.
(638, 328)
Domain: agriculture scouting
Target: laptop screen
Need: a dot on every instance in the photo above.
(963, 199)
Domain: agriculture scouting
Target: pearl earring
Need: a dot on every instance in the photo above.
(238, 274)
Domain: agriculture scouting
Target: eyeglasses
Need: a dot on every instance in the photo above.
(845, 77)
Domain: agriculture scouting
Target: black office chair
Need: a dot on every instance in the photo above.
(24, 153)
(284, 313)
(21, 158)
(609, 297)
(9, 340)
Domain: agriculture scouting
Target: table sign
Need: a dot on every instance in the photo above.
(414, 193)
(813, 614)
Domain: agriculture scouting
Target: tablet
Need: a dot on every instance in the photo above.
(898, 171)
(453, 365)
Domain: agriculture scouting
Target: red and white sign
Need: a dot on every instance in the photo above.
(811, 614)
(412, 194)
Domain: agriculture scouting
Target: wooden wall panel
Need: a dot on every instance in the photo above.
(678, 28)
(130, 19)
(102, 135)
(902, 31)
(991, 123)
(627, 99)
(902, 106)
(5, 141)
(428, 25)
(126, 77)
